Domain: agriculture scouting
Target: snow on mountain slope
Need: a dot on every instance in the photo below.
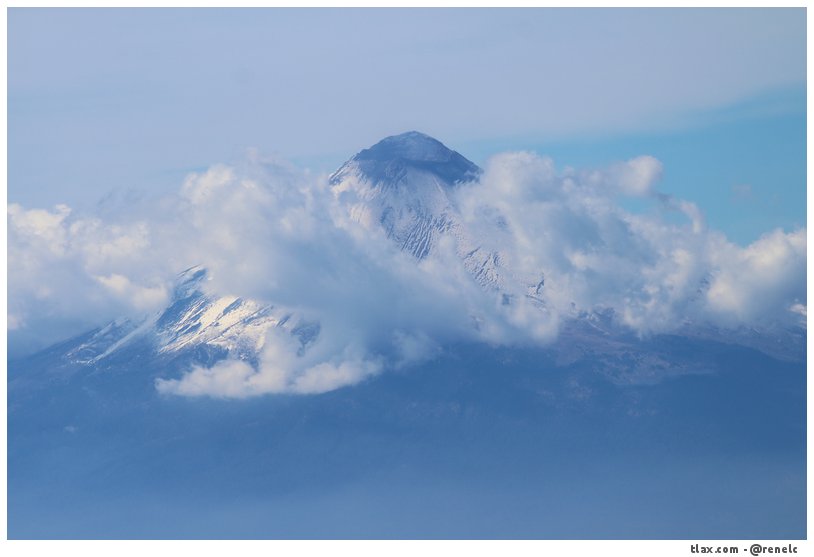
(235, 324)
(403, 185)
(230, 325)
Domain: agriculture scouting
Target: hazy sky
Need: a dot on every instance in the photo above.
(103, 100)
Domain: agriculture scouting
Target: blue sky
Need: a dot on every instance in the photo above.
(115, 100)
(744, 165)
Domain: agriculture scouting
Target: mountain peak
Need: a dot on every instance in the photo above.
(189, 281)
(390, 158)
(410, 146)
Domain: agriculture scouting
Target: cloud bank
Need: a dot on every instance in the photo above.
(269, 231)
(653, 272)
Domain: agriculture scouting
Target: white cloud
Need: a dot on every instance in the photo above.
(653, 273)
(68, 272)
(764, 279)
(140, 297)
(282, 370)
(635, 178)
(268, 231)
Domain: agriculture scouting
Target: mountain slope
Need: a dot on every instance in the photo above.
(403, 184)
(195, 329)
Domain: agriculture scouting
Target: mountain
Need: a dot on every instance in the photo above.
(404, 187)
(195, 329)
(698, 434)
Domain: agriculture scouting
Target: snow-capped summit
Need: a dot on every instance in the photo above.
(402, 185)
(391, 160)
